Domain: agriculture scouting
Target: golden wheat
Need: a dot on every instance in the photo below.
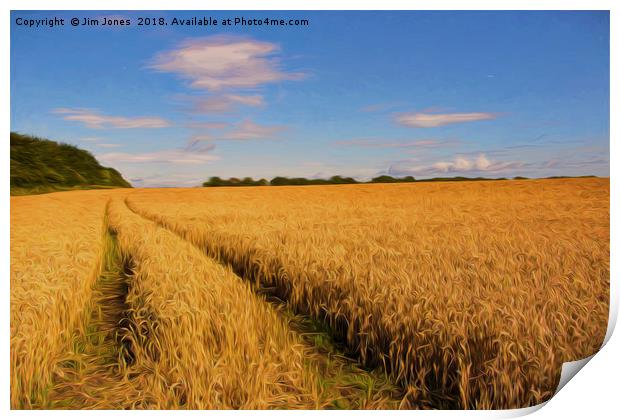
(55, 260)
(470, 294)
(160, 325)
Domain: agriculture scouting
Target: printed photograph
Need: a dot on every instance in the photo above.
(315, 210)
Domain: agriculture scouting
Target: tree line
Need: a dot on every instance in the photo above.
(216, 181)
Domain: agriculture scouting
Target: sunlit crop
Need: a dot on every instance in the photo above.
(437, 295)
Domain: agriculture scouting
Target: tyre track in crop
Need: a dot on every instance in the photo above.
(432, 383)
(359, 386)
(94, 375)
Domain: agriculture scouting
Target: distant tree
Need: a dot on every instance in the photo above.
(383, 179)
(214, 181)
(386, 179)
(279, 180)
(341, 180)
(233, 182)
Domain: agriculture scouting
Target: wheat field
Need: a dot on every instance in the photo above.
(424, 295)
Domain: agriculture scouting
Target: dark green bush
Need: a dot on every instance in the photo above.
(43, 165)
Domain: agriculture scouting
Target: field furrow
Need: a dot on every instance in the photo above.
(470, 295)
(447, 295)
(202, 338)
(98, 375)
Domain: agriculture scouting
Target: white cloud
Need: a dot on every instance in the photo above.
(94, 119)
(458, 165)
(176, 156)
(483, 163)
(480, 164)
(249, 130)
(421, 120)
(242, 130)
(224, 62)
(380, 144)
(108, 145)
(249, 100)
(226, 103)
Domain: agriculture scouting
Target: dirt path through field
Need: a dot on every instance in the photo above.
(99, 373)
(95, 375)
(356, 386)
(340, 363)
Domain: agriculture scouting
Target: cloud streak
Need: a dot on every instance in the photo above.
(94, 119)
(242, 130)
(168, 180)
(206, 125)
(226, 103)
(380, 107)
(190, 156)
(249, 130)
(422, 120)
(375, 144)
(224, 62)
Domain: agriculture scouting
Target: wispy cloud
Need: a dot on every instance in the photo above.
(380, 107)
(108, 145)
(201, 137)
(226, 103)
(249, 130)
(422, 120)
(378, 144)
(197, 143)
(244, 130)
(94, 119)
(207, 125)
(176, 156)
(575, 164)
(224, 62)
(165, 180)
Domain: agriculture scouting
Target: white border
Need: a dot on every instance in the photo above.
(592, 394)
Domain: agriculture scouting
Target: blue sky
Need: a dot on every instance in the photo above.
(496, 94)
